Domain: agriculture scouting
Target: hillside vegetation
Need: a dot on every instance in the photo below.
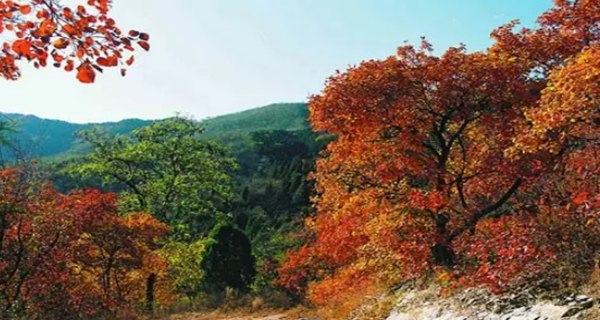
(230, 189)
(55, 138)
(280, 116)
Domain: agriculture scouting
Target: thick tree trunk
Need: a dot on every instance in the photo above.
(150, 282)
(442, 251)
(442, 255)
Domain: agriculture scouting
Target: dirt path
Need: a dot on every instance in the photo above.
(214, 317)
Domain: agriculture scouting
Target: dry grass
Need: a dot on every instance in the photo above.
(592, 287)
(375, 308)
(366, 303)
(232, 304)
(241, 315)
(236, 306)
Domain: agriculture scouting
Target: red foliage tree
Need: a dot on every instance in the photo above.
(84, 38)
(70, 254)
(465, 162)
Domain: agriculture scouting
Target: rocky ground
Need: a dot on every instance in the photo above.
(473, 304)
(477, 304)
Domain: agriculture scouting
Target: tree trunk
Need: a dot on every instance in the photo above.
(442, 251)
(442, 255)
(150, 282)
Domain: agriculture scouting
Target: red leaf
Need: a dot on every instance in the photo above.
(61, 43)
(26, 9)
(145, 45)
(70, 66)
(86, 73)
(46, 29)
(580, 198)
(22, 47)
(111, 61)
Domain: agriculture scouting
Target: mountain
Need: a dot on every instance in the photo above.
(51, 138)
(282, 116)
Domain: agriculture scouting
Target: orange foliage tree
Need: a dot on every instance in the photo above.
(64, 255)
(84, 38)
(480, 164)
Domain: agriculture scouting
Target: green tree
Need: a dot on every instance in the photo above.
(5, 128)
(279, 145)
(228, 261)
(167, 169)
(185, 260)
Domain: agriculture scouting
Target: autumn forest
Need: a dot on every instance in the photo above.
(434, 167)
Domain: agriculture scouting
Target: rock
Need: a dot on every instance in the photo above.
(577, 304)
(572, 312)
(477, 305)
(579, 307)
(587, 304)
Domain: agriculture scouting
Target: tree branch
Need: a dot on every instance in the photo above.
(471, 223)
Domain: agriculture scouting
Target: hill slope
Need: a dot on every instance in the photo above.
(49, 138)
(283, 116)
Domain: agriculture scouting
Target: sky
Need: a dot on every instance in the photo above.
(214, 57)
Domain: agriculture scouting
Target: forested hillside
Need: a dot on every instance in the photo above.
(50, 138)
(280, 116)
(45, 137)
(240, 177)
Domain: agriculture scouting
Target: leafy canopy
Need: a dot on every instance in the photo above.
(227, 260)
(481, 165)
(63, 255)
(167, 169)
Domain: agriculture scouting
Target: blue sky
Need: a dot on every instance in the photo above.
(212, 57)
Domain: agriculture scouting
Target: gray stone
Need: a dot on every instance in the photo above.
(478, 305)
